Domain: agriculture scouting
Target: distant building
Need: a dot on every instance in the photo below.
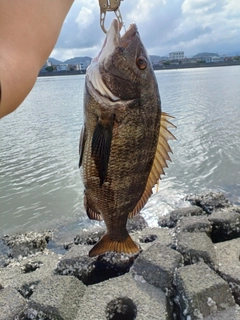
(82, 66)
(178, 55)
(214, 59)
(62, 67)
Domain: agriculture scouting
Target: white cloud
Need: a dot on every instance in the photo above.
(164, 25)
(85, 18)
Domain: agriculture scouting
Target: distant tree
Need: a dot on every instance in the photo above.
(201, 61)
(49, 69)
(236, 58)
(166, 63)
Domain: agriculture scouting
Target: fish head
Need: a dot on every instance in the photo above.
(122, 70)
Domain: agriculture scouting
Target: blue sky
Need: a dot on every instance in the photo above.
(191, 26)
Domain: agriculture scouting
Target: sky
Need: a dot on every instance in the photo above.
(192, 26)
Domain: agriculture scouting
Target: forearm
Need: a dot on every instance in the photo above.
(28, 32)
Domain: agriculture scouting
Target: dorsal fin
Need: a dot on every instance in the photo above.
(159, 163)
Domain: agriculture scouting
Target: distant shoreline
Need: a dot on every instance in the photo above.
(155, 67)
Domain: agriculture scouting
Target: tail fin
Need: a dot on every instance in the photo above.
(106, 244)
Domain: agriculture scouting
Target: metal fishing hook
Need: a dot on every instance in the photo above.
(109, 5)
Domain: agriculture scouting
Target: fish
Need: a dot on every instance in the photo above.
(123, 146)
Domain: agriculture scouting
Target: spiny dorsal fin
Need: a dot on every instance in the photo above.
(159, 163)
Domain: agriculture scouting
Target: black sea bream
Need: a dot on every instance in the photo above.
(123, 143)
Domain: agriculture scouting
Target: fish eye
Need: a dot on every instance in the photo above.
(141, 62)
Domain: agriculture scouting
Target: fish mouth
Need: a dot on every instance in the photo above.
(112, 41)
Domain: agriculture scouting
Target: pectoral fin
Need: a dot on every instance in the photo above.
(81, 145)
(159, 163)
(101, 146)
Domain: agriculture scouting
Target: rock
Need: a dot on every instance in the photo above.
(176, 214)
(171, 220)
(124, 297)
(228, 254)
(196, 246)
(12, 304)
(201, 292)
(57, 297)
(89, 237)
(232, 313)
(137, 223)
(195, 224)
(25, 274)
(76, 262)
(209, 201)
(146, 237)
(225, 224)
(93, 270)
(157, 264)
(28, 243)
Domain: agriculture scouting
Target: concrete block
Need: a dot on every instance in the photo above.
(57, 297)
(225, 224)
(209, 201)
(201, 292)
(196, 246)
(176, 214)
(195, 224)
(148, 236)
(27, 243)
(157, 265)
(11, 304)
(124, 297)
(23, 273)
(228, 254)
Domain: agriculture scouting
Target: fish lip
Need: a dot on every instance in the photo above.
(126, 38)
(114, 39)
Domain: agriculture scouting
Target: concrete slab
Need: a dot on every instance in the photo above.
(157, 265)
(201, 292)
(195, 224)
(58, 297)
(225, 223)
(228, 254)
(11, 304)
(124, 297)
(195, 246)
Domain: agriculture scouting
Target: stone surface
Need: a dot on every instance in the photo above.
(146, 237)
(58, 297)
(196, 246)
(232, 313)
(209, 201)
(11, 304)
(76, 262)
(225, 224)
(171, 219)
(28, 243)
(201, 292)
(15, 274)
(139, 297)
(195, 224)
(157, 264)
(228, 254)
(92, 270)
